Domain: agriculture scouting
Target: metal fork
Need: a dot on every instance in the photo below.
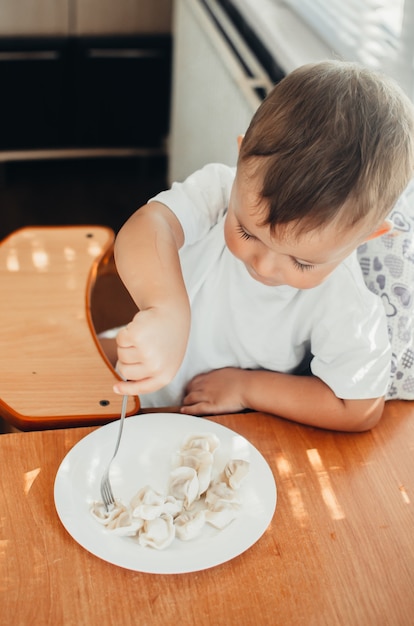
(106, 489)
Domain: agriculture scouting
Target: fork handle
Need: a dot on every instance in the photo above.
(121, 424)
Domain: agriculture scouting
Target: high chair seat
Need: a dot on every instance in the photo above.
(53, 373)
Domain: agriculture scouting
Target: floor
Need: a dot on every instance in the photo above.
(84, 191)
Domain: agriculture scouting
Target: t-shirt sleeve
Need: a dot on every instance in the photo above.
(350, 346)
(201, 200)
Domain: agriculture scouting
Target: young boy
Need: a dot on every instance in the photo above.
(248, 288)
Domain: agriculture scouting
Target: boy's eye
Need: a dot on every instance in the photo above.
(302, 266)
(243, 234)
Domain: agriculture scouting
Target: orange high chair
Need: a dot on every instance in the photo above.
(58, 289)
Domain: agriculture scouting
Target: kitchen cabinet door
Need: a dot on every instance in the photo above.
(35, 82)
(122, 91)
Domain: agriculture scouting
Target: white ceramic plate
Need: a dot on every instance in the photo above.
(145, 456)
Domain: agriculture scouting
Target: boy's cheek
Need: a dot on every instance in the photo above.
(234, 244)
(228, 235)
(310, 282)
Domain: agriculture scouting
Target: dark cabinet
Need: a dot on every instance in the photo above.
(84, 92)
(33, 83)
(122, 94)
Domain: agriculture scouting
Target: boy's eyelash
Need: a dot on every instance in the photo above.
(243, 234)
(302, 266)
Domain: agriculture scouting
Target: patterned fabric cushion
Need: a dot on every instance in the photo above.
(388, 267)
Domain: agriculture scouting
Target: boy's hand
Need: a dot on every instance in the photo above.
(150, 350)
(218, 391)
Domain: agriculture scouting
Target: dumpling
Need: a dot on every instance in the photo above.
(235, 472)
(130, 529)
(184, 485)
(172, 506)
(118, 513)
(189, 524)
(147, 504)
(99, 512)
(219, 494)
(222, 505)
(158, 533)
(222, 516)
(202, 461)
(205, 441)
(118, 520)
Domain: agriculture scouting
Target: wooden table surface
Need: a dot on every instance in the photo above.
(340, 548)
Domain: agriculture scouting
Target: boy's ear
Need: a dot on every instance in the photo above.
(239, 140)
(385, 227)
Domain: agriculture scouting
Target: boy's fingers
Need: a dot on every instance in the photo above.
(128, 388)
(129, 356)
(136, 387)
(123, 339)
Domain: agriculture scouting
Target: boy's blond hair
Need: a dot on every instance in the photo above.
(331, 140)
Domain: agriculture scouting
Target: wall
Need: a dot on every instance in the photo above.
(25, 18)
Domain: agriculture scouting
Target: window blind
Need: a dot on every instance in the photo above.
(377, 33)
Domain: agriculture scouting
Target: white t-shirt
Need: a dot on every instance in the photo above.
(337, 329)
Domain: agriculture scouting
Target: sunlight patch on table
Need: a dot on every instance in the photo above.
(404, 494)
(293, 492)
(327, 491)
(3, 546)
(4, 582)
(29, 478)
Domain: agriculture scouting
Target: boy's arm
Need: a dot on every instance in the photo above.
(304, 399)
(152, 346)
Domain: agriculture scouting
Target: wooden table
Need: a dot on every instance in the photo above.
(340, 548)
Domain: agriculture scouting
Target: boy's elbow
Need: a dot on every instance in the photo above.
(364, 414)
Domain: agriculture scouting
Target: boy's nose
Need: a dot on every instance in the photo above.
(267, 267)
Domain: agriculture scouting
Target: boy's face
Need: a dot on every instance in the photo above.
(302, 262)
